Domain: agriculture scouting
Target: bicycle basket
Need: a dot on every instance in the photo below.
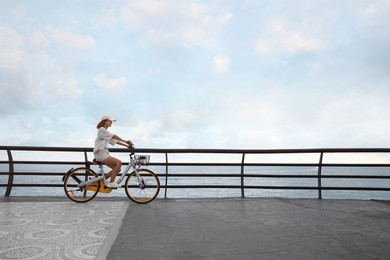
(141, 159)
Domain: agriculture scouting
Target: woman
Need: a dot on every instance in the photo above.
(101, 153)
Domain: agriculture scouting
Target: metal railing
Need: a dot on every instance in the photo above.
(244, 185)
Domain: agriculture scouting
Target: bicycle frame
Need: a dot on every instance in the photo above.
(122, 176)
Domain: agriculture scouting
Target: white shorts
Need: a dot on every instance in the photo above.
(102, 155)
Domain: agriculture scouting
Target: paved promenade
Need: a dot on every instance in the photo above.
(261, 228)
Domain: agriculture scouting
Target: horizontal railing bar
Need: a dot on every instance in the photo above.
(215, 164)
(195, 164)
(222, 151)
(192, 175)
(33, 185)
(238, 187)
(315, 188)
(286, 176)
(49, 162)
(355, 177)
(277, 176)
(211, 164)
(259, 151)
(355, 165)
(35, 173)
(275, 164)
(274, 187)
(227, 175)
(316, 176)
(357, 188)
(231, 187)
(316, 164)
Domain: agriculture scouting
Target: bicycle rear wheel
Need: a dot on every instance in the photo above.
(142, 193)
(74, 192)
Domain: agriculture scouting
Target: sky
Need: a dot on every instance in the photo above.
(250, 74)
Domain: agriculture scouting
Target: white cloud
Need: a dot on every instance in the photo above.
(69, 40)
(20, 11)
(145, 14)
(263, 47)
(172, 129)
(30, 75)
(370, 10)
(19, 91)
(255, 138)
(193, 24)
(11, 52)
(323, 51)
(289, 43)
(66, 87)
(115, 85)
(221, 63)
(39, 40)
(108, 18)
(205, 30)
(178, 120)
(316, 67)
(296, 43)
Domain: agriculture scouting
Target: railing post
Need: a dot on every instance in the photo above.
(87, 163)
(319, 176)
(242, 176)
(10, 173)
(166, 175)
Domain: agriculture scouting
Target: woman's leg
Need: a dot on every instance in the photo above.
(115, 164)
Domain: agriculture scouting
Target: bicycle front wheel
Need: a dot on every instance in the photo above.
(74, 178)
(142, 190)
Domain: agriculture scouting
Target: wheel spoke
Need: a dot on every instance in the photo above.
(72, 181)
(142, 193)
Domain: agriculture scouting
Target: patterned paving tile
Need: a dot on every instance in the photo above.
(59, 230)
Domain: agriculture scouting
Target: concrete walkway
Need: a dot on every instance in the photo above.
(261, 228)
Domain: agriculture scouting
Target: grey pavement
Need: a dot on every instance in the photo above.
(232, 228)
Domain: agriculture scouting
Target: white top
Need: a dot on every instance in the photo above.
(104, 137)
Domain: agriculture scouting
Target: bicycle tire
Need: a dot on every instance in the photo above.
(142, 195)
(77, 194)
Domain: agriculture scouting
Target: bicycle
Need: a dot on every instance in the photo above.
(141, 186)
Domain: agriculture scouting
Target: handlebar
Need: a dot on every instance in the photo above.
(131, 148)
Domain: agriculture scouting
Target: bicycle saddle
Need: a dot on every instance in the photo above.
(97, 162)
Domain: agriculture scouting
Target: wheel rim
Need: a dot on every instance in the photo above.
(71, 185)
(140, 194)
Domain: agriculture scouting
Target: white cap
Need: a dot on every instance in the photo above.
(108, 118)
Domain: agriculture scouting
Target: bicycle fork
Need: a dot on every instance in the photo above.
(141, 180)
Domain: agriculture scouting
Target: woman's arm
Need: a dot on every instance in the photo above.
(122, 142)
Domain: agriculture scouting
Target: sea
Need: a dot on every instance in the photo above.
(249, 180)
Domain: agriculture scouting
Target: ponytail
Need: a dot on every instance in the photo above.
(101, 124)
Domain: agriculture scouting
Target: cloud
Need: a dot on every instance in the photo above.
(170, 129)
(327, 84)
(30, 75)
(19, 91)
(11, 52)
(289, 43)
(20, 11)
(66, 87)
(109, 18)
(316, 67)
(69, 40)
(221, 63)
(178, 120)
(206, 29)
(196, 24)
(115, 85)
